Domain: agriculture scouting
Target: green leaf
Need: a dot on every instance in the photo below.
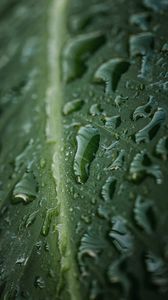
(83, 150)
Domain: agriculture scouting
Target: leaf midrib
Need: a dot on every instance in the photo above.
(54, 134)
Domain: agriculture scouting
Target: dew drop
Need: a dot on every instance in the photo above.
(156, 5)
(80, 21)
(26, 189)
(165, 47)
(119, 161)
(92, 244)
(141, 20)
(119, 100)
(121, 236)
(113, 122)
(95, 290)
(144, 214)
(88, 139)
(145, 110)
(95, 110)
(149, 131)
(51, 212)
(42, 163)
(31, 218)
(117, 274)
(142, 166)
(109, 149)
(142, 44)
(39, 282)
(103, 212)
(110, 73)
(21, 260)
(108, 188)
(76, 52)
(72, 106)
(158, 271)
(162, 148)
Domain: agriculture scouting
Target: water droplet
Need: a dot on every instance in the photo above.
(142, 44)
(39, 282)
(158, 271)
(165, 47)
(142, 166)
(119, 161)
(95, 110)
(42, 163)
(109, 149)
(110, 73)
(51, 212)
(149, 131)
(119, 100)
(81, 20)
(145, 110)
(74, 54)
(121, 236)
(162, 148)
(91, 245)
(22, 158)
(88, 139)
(113, 122)
(108, 188)
(22, 261)
(31, 218)
(117, 274)
(159, 86)
(95, 290)
(134, 85)
(156, 5)
(25, 190)
(103, 212)
(142, 20)
(72, 106)
(86, 219)
(144, 214)
(38, 246)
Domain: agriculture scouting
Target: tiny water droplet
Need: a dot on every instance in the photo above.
(42, 163)
(39, 282)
